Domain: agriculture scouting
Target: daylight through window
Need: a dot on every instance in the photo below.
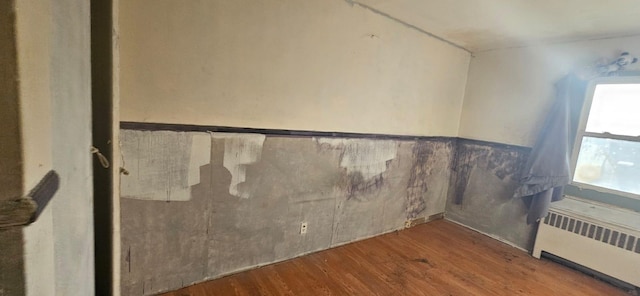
(608, 142)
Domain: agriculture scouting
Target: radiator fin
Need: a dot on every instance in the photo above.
(596, 232)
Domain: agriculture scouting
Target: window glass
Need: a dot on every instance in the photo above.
(609, 163)
(615, 109)
(608, 157)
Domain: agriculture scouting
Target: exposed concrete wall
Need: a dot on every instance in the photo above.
(55, 97)
(484, 179)
(11, 257)
(170, 244)
(303, 65)
(509, 91)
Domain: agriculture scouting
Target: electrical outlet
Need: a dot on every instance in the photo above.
(303, 227)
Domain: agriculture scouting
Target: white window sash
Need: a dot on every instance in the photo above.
(584, 117)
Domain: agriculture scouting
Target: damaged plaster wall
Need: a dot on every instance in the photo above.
(343, 197)
(364, 157)
(481, 191)
(297, 65)
(241, 150)
(365, 162)
(520, 80)
(165, 166)
(290, 65)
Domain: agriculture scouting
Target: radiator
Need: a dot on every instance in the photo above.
(599, 237)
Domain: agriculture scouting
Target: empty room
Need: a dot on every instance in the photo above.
(323, 147)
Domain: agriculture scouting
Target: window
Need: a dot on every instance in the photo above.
(607, 150)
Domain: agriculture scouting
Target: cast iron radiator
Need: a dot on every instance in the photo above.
(600, 237)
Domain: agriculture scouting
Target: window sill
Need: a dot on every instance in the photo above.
(610, 214)
(607, 199)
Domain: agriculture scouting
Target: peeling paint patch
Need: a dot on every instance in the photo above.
(200, 155)
(240, 150)
(365, 162)
(162, 165)
(299, 179)
(366, 157)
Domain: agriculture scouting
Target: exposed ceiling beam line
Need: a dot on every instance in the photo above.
(408, 25)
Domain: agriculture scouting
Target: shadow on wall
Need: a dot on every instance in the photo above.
(198, 206)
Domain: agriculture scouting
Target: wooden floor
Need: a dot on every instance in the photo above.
(437, 258)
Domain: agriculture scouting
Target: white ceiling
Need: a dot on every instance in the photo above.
(479, 25)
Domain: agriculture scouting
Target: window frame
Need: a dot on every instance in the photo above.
(581, 132)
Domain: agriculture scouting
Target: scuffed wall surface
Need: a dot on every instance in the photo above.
(342, 195)
(431, 164)
(166, 164)
(240, 151)
(481, 189)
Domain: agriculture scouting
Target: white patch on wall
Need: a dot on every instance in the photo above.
(367, 157)
(162, 165)
(240, 150)
(200, 155)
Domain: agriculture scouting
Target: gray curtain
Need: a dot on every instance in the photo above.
(548, 168)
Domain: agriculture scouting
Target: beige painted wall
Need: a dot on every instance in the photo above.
(510, 90)
(53, 40)
(305, 65)
(33, 29)
(116, 162)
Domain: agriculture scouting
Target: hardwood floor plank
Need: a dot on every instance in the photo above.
(271, 274)
(267, 285)
(437, 258)
(320, 283)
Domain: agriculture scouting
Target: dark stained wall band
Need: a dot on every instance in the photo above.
(148, 126)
